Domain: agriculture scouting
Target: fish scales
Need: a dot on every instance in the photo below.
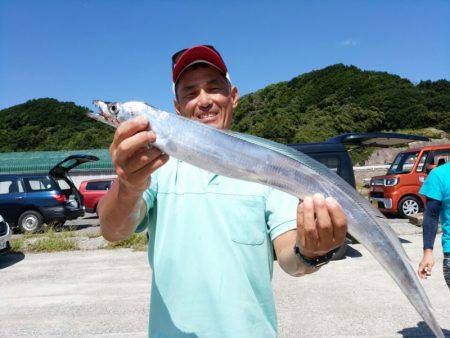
(254, 159)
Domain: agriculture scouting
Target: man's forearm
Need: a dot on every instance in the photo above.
(430, 223)
(120, 212)
(290, 263)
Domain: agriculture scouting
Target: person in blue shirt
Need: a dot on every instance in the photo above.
(436, 188)
(211, 238)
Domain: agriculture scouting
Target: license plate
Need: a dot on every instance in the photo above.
(375, 204)
(2, 245)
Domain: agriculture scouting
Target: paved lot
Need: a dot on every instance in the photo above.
(106, 293)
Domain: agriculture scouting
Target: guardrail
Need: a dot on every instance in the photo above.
(372, 167)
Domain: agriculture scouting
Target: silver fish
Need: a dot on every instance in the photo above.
(255, 159)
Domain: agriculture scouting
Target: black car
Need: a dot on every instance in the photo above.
(29, 200)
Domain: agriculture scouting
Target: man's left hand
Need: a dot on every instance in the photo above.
(321, 226)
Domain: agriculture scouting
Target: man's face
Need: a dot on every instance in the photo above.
(205, 95)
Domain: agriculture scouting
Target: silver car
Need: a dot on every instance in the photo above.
(5, 235)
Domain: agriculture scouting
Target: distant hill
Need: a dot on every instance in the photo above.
(340, 99)
(310, 107)
(47, 124)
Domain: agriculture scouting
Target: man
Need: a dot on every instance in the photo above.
(436, 188)
(211, 237)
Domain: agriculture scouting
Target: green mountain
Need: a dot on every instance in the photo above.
(47, 124)
(310, 107)
(340, 99)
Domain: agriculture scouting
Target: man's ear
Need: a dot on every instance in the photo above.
(177, 107)
(234, 96)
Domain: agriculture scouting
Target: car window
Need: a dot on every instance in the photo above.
(10, 186)
(98, 185)
(441, 156)
(403, 163)
(420, 166)
(332, 162)
(39, 184)
(63, 185)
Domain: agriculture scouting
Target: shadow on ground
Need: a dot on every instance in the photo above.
(10, 258)
(352, 252)
(422, 330)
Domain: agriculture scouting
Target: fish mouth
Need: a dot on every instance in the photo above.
(103, 114)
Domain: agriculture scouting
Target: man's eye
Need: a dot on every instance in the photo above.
(189, 95)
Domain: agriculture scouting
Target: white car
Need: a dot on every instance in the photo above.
(5, 235)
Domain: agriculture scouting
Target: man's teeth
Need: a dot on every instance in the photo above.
(206, 115)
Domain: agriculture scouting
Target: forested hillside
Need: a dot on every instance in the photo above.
(310, 107)
(340, 99)
(47, 124)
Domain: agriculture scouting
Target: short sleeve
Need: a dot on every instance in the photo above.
(149, 197)
(281, 212)
(432, 187)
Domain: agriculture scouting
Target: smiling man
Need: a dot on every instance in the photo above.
(212, 238)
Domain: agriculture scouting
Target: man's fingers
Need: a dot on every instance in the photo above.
(129, 146)
(143, 173)
(129, 128)
(338, 219)
(309, 225)
(324, 224)
(300, 225)
(141, 158)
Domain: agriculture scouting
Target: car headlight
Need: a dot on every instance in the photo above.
(1, 219)
(390, 182)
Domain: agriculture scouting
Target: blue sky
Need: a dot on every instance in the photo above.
(120, 50)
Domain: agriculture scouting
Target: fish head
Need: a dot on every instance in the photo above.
(112, 113)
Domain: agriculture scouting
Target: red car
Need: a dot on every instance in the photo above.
(93, 191)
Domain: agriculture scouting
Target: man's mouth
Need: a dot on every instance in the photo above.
(205, 117)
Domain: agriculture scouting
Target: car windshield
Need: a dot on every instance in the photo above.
(403, 163)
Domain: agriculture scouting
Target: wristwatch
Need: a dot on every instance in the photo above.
(314, 262)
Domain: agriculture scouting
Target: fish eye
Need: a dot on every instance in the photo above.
(113, 108)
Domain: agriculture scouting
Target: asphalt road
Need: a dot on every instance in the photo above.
(106, 293)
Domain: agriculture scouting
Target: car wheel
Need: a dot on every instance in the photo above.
(30, 221)
(408, 206)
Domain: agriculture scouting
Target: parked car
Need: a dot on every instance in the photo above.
(333, 153)
(29, 200)
(5, 235)
(92, 191)
(397, 192)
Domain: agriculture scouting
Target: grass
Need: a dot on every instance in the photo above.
(48, 241)
(137, 242)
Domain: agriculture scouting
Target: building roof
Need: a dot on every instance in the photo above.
(43, 161)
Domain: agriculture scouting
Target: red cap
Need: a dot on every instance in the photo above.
(198, 54)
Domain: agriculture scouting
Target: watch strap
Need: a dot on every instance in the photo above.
(314, 262)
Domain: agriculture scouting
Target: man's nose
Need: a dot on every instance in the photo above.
(204, 100)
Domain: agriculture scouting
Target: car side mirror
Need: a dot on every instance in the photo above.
(431, 167)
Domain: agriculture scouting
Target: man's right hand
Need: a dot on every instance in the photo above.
(123, 208)
(133, 159)
(426, 265)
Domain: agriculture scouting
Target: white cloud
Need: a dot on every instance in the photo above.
(349, 43)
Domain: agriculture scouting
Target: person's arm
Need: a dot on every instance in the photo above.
(429, 231)
(123, 208)
(316, 218)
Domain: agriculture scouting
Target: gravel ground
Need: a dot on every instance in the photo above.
(106, 293)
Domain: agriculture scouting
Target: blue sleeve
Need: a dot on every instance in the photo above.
(432, 187)
(149, 197)
(430, 222)
(281, 213)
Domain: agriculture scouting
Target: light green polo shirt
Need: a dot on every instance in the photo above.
(211, 253)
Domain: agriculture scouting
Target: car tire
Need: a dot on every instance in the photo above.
(408, 206)
(30, 221)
